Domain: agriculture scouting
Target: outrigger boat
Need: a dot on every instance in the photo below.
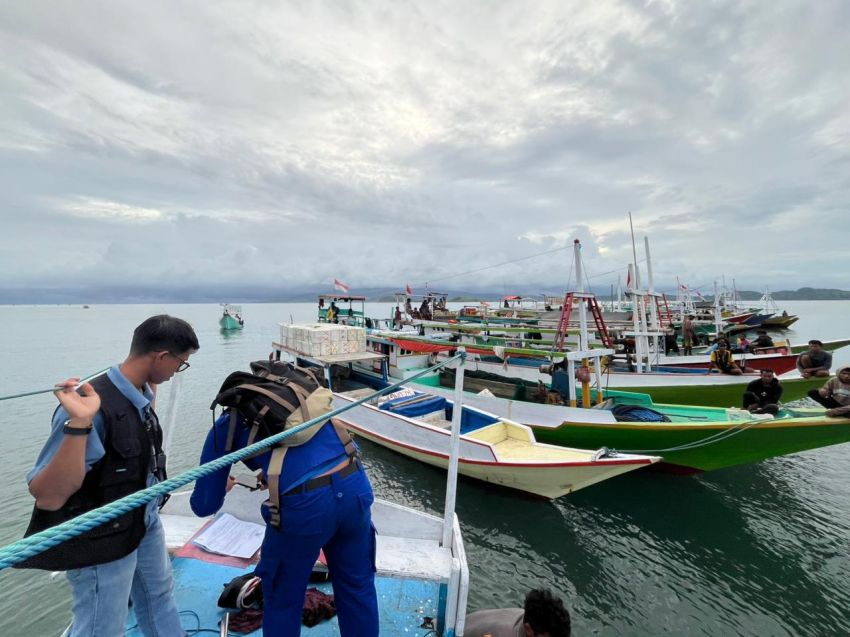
(416, 424)
(231, 317)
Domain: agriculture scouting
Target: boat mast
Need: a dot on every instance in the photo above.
(454, 453)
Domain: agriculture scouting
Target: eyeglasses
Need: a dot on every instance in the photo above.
(184, 365)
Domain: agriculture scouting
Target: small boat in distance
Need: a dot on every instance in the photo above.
(231, 317)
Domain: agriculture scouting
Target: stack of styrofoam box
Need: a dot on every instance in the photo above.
(323, 339)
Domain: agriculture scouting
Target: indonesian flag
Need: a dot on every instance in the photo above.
(699, 294)
(409, 290)
(629, 279)
(339, 285)
(682, 286)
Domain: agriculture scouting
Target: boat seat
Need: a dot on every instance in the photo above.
(358, 393)
(437, 419)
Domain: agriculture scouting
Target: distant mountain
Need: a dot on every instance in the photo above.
(802, 294)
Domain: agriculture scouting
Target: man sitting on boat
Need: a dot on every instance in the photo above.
(543, 615)
(835, 394)
(721, 358)
(762, 340)
(815, 362)
(762, 395)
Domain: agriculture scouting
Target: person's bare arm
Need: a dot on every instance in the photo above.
(64, 474)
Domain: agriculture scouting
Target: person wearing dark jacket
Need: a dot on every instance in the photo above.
(762, 395)
(543, 615)
(106, 444)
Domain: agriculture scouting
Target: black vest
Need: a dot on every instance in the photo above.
(123, 470)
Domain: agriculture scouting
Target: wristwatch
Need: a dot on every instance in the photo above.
(75, 431)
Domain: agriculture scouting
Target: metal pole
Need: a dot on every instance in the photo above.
(451, 482)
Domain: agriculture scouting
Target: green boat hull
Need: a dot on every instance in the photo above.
(227, 322)
(764, 440)
(721, 395)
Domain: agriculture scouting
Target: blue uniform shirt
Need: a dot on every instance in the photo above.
(209, 492)
(94, 443)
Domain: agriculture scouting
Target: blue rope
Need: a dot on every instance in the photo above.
(39, 542)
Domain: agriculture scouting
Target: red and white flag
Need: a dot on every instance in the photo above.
(629, 279)
(409, 290)
(339, 285)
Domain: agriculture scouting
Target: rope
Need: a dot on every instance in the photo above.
(33, 545)
(53, 389)
(718, 437)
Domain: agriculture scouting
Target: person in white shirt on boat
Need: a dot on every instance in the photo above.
(835, 394)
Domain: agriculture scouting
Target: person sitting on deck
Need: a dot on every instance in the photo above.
(743, 345)
(762, 395)
(543, 615)
(835, 394)
(762, 340)
(815, 362)
(713, 347)
(425, 311)
(722, 360)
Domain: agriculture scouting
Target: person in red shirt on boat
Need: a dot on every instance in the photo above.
(689, 335)
(721, 358)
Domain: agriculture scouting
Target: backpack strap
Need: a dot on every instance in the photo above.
(231, 430)
(265, 392)
(345, 438)
(273, 480)
(302, 395)
(255, 427)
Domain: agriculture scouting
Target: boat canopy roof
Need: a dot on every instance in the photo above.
(342, 297)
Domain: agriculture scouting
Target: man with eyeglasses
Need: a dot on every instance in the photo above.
(106, 443)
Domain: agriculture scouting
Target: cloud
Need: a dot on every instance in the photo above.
(391, 142)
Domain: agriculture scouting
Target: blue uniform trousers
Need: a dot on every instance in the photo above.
(336, 518)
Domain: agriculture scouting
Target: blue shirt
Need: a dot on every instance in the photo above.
(95, 450)
(208, 495)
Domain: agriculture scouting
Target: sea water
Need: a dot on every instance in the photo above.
(760, 550)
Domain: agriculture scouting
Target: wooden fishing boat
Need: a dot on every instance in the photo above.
(231, 317)
(685, 385)
(492, 449)
(695, 438)
(418, 575)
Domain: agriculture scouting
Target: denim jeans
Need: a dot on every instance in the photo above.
(101, 593)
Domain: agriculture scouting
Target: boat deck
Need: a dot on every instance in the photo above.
(403, 603)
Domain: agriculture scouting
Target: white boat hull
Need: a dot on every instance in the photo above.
(544, 470)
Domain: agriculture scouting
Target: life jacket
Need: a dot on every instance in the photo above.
(129, 444)
(274, 397)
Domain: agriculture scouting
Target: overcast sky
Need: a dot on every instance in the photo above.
(385, 143)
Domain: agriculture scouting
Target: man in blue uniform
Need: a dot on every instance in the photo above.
(106, 444)
(331, 511)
